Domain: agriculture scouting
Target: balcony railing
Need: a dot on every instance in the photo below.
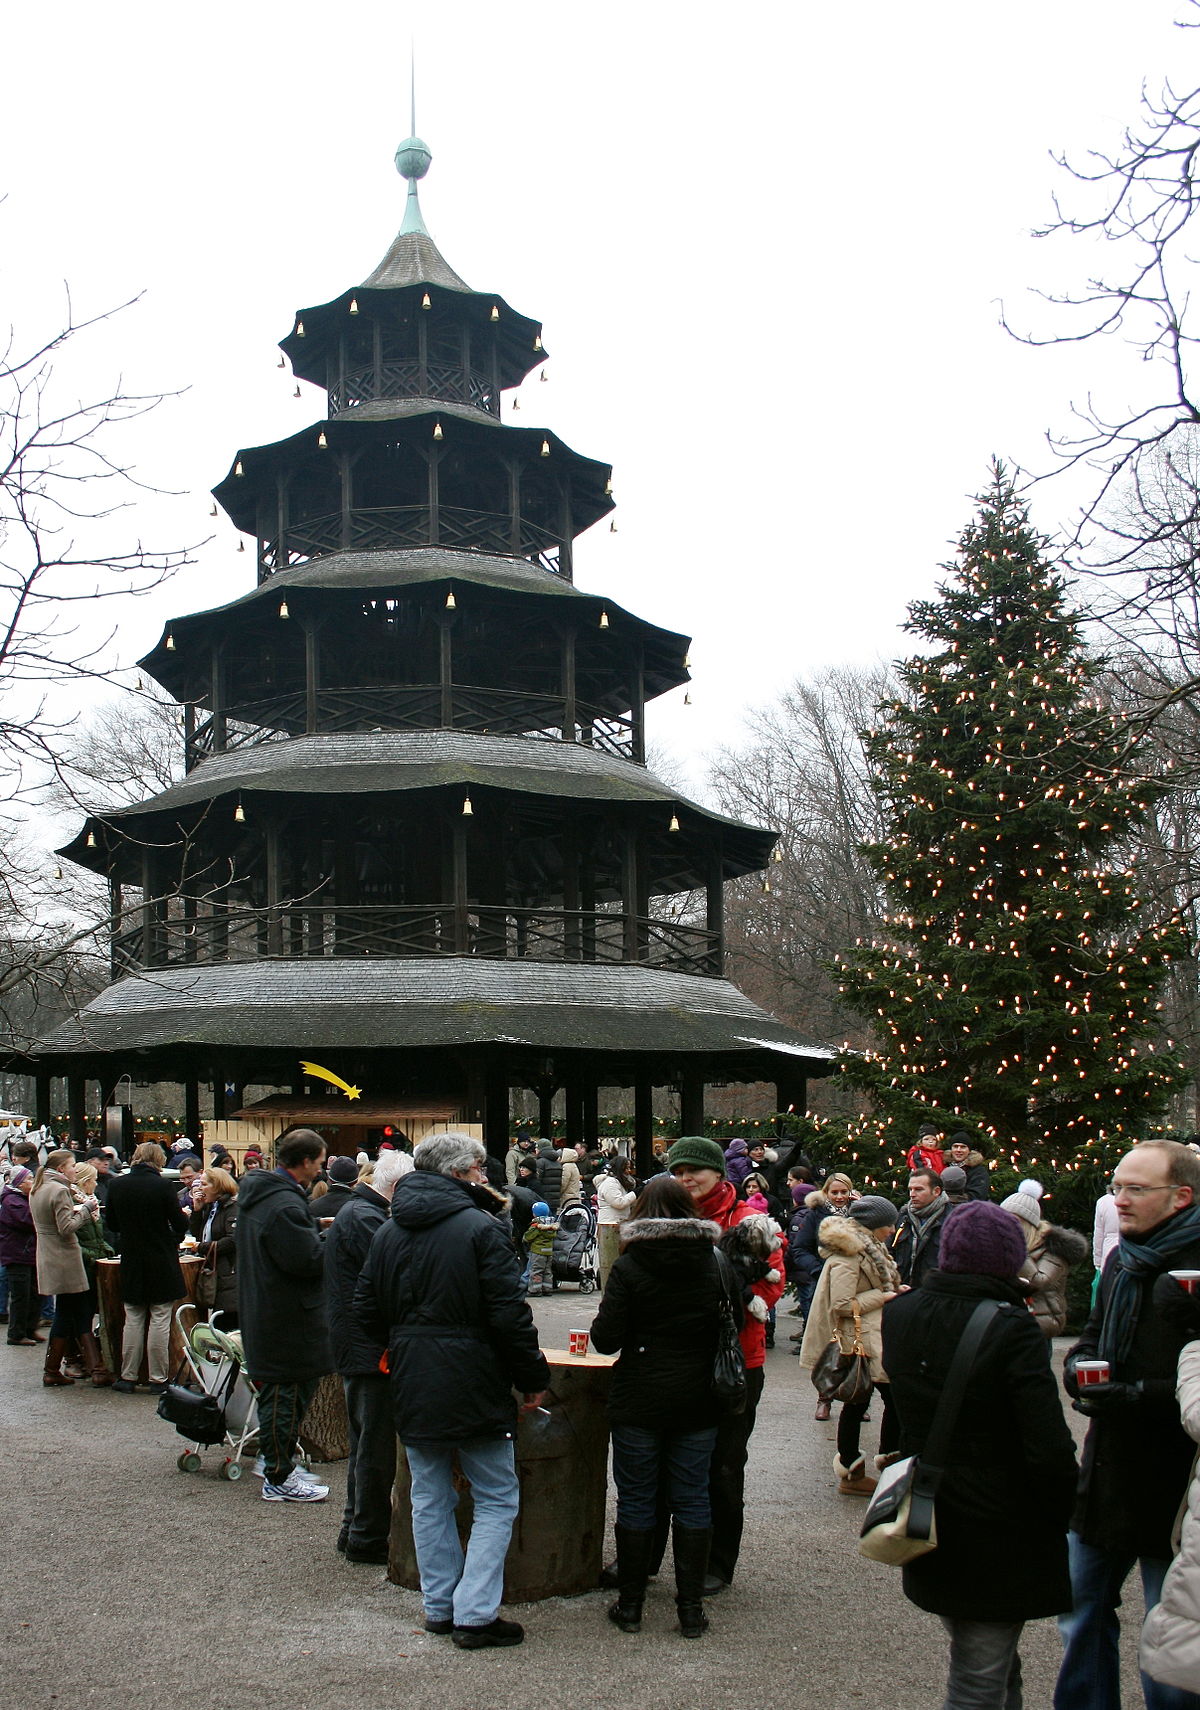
(490, 933)
(441, 380)
(413, 525)
(411, 706)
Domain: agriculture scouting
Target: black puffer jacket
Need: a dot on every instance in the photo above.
(661, 1311)
(280, 1264)
(442, 1288)
(144, 1213)
(363, 1213)
(1003, 1502)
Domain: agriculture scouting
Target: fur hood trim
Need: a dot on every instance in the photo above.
(1065, 1244)
(845, 1237)
(668, 1229)
(817, 1198)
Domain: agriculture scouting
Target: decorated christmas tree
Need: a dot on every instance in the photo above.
(1016, 992)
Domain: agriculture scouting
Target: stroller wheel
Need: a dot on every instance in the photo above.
(586, 1285)
(232, 1470)
(189, 1461)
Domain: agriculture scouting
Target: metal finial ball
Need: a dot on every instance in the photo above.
(413, 158)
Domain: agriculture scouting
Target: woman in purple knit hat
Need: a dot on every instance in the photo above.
(1008, 1485)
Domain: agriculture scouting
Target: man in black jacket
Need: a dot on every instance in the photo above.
(145, 1216)
(281, 1307)
(915, 1246)
(973, 1164)
(1137, 1457)
(441, 1286)
(371, 1470)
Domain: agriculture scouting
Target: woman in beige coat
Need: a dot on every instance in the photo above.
(860, 1275)
(57, 1215)
(1171, 1636)
(1051, 1254)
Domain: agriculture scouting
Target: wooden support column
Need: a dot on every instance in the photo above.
(150, 907)
(189, 735)
(715, 908)
(423, 353)
(643, 1126)
(41, 1098)
(545, 1096)
(274, 860)
(377, 358)
(114, 927)
(567, 534)
(191, 1108)
(312, 674)
(460, 881)
(514, 502)
(446, 669)
(433, 457)
(691, 1103)
(495, 1112)
(217, 696)
(573, 1089)
(346, 473)
(572, 937)
(590, 1103)
(568, 684)
(76, 1107)
(791, 1093)
(629, 891)
(637, 705)
(282, 521)
(218, 1098)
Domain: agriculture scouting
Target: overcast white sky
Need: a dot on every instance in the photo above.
(768, 245)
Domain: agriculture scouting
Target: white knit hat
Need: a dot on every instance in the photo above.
(1026, 1202)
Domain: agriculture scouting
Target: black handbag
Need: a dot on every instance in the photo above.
(196, 1414)
(900, 1523)
(838, 1376)
(729, 1367)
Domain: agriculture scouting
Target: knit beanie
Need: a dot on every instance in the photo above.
(701, 1154)
(20, 1176)
(982, 1240)
(1025, 1203)
(874, 1212)
(343, 1170)
(954, 1178)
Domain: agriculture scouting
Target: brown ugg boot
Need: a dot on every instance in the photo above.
(853, 1480)
(52, 1374)
(94, 1361)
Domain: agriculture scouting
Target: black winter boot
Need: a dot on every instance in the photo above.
(691, 1565)
(633, 1565)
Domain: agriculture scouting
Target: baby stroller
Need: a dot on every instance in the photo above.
(219, 1405)
(576, 1254)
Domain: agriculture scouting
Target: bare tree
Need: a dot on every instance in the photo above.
(803, 772)
(61, 484)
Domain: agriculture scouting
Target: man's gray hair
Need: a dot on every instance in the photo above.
(387, 1170)
(443, 1154)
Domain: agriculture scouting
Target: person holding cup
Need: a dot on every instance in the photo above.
(1137, 1456)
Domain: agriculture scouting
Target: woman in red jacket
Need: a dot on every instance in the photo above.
(700, 1165)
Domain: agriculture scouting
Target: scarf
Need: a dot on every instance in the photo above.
(718, 1203)
(1136, 1263)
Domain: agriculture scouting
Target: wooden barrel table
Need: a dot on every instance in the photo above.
(112, 1313)
(562, 1465)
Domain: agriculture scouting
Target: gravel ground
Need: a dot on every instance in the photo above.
(131, 1585)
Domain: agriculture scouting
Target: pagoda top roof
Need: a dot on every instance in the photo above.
(414, 259)
(373, 1002)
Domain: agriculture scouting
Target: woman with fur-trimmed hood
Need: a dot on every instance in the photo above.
(859, 1274)
(662, 1312)
(1052, 1252)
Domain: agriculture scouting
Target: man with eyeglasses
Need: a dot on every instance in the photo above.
(1137, 1457)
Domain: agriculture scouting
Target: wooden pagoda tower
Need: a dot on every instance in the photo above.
(416, 837)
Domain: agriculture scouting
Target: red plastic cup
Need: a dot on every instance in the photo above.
(1091, 1371)
(578, 1342)
(1187, 1279)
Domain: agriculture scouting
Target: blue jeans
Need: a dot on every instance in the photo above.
(1089, 1678)
(468, 1588)
(637, 1455)
(985, 1669)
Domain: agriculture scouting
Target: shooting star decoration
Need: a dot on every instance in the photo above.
(334, 1080)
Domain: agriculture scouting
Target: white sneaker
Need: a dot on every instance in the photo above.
(294, 1489)
(260, 1471)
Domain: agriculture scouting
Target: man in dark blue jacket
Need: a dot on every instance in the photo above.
(281, 1307)
(371, 1471)
(442, 1287)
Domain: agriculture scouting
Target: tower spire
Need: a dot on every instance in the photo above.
(412, 160)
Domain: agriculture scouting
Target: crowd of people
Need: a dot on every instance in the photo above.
(409, 1276)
